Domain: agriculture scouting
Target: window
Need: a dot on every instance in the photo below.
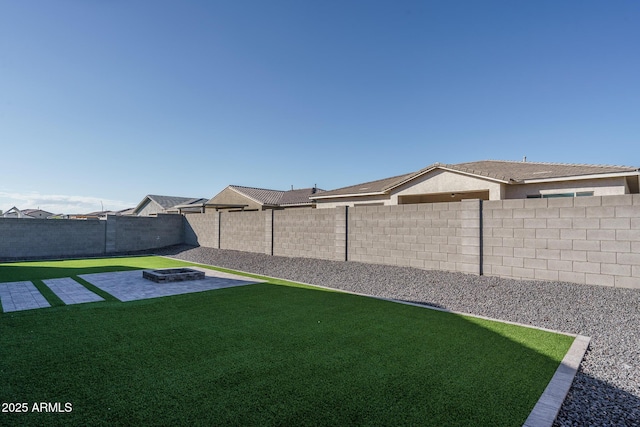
(550, 196)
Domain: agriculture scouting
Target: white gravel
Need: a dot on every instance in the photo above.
(606, 391)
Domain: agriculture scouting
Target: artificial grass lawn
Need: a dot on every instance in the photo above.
(266, 354)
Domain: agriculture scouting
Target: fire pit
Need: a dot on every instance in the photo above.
(173, 275)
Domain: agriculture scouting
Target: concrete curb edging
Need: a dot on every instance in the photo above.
(548, 406)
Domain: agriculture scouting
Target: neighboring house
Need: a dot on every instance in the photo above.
(236, 197)
(487, 180)
(153, 204)
(94, 215)
(27, 213)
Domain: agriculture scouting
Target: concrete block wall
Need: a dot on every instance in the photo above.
(133, 233)
(27, 238)
(306, 232)
(588, 240)
(245, 231)
(202, 229)
(442, 236)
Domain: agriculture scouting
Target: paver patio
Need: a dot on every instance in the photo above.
(131, 286)
(71, 292)
(17, 296)
(124, 285)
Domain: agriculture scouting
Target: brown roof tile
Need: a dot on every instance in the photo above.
(277, 197)
(501, 170)
(522, 171)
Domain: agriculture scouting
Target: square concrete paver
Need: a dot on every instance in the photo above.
(131, 286)
(71, 292)
(17, 296)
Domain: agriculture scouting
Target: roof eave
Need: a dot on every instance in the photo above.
(341, 196)
(261, 203)
(578, 177)
(443, 167)
(142, 203)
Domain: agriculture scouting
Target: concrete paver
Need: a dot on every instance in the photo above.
(17, 296)
(71, 292)
(131, 286)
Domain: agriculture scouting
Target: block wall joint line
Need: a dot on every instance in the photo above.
(219, 229)
(272, 229)
(481, 241)
(346, 233)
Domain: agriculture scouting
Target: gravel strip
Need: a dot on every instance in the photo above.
(606, 390)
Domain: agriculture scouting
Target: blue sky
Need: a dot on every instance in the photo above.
(105, 101)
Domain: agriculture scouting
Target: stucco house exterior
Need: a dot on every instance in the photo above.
(237, 197)
(487, 180)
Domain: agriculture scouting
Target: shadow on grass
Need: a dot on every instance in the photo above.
(272, 355)
(38, 270)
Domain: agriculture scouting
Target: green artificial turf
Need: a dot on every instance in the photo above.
(266, 354)
(34, 270)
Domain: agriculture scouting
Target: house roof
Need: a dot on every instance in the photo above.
(169, 201)
(32, 212)
(26, 213)
(260, 195)
(15, 211)
(520, 172)
(275, 198)
(165, 202)
(371, 187)
(300, 196)
(508, 172)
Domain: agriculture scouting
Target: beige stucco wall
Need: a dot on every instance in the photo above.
(441, 181)
(150, 208)
(600, 187)
(232, 197)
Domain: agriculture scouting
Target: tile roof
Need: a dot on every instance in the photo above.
(378, 186)
(523, 171)
(260, 195)
(169, 201)
(510, 172)
(277, 197)
(298, 197)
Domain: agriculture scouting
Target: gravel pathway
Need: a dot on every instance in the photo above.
(606, 390)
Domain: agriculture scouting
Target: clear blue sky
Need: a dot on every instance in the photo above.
(107, 101)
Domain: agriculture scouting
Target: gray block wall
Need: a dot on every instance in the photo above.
(589, 240)
(31, 238)
(245, 231)
(134, 233)
(440, 236)
(46, 238)
(305, 232)
(202, 229)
